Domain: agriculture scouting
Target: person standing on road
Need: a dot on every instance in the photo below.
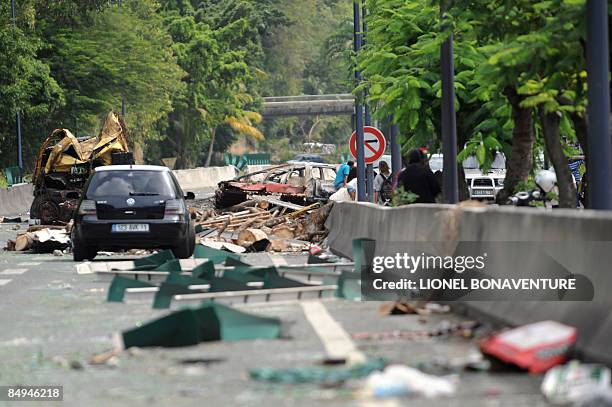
(383, 184)
(342, 175)
(418, 178)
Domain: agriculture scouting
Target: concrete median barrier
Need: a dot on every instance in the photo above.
(592, 231)
(204, 177)
(16, 200)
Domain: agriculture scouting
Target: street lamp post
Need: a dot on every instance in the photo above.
(361, 196)
(598, 69)
(449, 125)
(368, 116)
(17, 114)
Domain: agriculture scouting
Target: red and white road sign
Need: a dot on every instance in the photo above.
(374, 144)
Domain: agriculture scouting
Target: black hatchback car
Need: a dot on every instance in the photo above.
(132, 207)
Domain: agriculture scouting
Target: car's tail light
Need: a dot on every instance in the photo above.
(87, 207)
(174, 209)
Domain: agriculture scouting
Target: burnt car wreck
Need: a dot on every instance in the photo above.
(64, 163)
(301, 184)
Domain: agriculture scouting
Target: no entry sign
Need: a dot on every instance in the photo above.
(374, 144)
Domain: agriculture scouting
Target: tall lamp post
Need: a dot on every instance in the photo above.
(361, 193)
(598, 109)
(17, 114)
(368, 116)
(449, 125)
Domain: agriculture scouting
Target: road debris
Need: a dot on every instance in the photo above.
(445, 328)
(536, 347)
(413, 307)
(329, 374)
(575, 381)
(262, 224)
(41, 239)
(399, 380)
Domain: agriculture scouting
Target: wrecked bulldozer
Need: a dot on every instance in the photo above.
(64, 163)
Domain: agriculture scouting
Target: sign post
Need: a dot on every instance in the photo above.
(373, 144)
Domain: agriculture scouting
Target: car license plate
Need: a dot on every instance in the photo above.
(483, 192)
(130, 227)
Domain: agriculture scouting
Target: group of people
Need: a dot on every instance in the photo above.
(415, 177)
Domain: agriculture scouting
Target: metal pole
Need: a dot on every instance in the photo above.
(449, 126)
(600, 144)
(17, 114)
(368, 116)
(361, 193)
(396, 154)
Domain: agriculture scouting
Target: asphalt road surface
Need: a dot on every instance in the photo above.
(52, 321)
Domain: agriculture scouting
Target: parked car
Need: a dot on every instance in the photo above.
(302, 184)
(132, 207)
(482, 185)
(485, 185)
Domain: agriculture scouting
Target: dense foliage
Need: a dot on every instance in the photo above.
(191, 73)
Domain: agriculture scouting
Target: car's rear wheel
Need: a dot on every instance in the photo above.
(187, 246)
(81, 252)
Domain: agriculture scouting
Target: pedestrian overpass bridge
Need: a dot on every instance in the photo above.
(308, 105)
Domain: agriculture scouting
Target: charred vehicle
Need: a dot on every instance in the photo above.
(301, 184)
(64, 163)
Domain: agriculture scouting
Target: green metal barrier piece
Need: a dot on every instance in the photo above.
(214, 255)
(236, 262)
(220, 284)
(237, 161)
(273, 280)
(14, 175)
(175, 284)
(209, 322)
(172, 266)
(203, 270)
(116, 290)
(156, 259)
(257, 158)
(317, 374)
(349, 286)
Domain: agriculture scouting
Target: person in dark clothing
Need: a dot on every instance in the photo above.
(418, 178)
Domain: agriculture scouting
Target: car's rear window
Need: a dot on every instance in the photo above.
(131, 183)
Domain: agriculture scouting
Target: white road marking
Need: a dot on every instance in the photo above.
(30, 263)
(13, 271)
(4, 282)
(337, 342)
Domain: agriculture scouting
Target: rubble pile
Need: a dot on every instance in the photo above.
(41, 239)
(263, 223)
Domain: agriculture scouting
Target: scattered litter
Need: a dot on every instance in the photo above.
(399, 380)
(317, 374)
(201, 361)
(473, 361)
(413, 307)
(575, 381)
(58, 253)
(536, 347)
(10, 219)
(42, 239)
(445, 328)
